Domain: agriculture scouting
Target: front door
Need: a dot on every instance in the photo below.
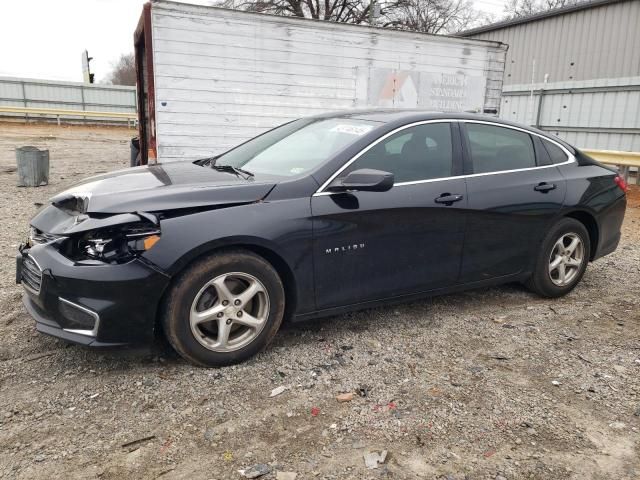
(374, 245)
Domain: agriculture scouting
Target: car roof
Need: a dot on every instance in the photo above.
(404, 116)
(383, 115)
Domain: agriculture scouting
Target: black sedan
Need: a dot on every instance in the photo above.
(317, 217)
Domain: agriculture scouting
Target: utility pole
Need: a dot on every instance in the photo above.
(86, 70)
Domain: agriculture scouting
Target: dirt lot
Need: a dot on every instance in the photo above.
(490, 384)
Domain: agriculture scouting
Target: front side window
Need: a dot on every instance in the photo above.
(296, 147)
(422, 152)
(494, 148)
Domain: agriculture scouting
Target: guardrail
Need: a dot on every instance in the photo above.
(131, 118)
(623, 160)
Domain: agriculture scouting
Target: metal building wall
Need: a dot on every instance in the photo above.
(576, 74)
(598, 42)
(601, 114)
(31, 93)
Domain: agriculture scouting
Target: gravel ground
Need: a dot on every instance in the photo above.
(489, 384)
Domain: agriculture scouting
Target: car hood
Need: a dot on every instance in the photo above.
(161, 187)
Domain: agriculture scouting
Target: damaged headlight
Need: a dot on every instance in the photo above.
(117, 244)
(38, 237)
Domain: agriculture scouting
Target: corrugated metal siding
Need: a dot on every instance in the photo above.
(224, 76)
(600, 42)
(599, 114)
(32, 93)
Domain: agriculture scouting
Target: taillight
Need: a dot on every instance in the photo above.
(620, 181)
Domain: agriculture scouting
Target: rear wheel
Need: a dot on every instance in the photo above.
(224, 309)
(562, 259)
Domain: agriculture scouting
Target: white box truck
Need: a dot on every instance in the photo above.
(210, 78)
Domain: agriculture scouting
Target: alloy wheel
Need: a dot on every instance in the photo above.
(566, 259)
(229, 312)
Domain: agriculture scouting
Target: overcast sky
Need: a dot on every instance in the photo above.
(45, 38)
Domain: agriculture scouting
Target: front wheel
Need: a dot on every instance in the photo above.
(562, 259)
(224, 309)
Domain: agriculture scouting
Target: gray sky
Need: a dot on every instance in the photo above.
(45, 38)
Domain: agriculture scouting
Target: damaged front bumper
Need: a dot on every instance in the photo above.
(96, 305)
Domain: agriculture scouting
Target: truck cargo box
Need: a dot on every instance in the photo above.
(210, 78)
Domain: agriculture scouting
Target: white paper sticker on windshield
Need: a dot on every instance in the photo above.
(352, 129)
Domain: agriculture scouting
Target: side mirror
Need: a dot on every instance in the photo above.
(365, 179)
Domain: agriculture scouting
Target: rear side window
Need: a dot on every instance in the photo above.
(494, 148)
(555, 152)
(422, 152)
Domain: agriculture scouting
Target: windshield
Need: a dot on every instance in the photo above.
(296, 147)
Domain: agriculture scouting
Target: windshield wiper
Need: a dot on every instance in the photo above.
(211, 161)
(231, 169)
(206, 161)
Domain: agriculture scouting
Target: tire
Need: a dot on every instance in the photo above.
(233, 295)
(546, 280)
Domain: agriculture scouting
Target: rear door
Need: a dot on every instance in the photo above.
(513, 192)
(374, 245)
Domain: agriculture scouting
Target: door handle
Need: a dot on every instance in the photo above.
(544, 187)
(448, 199)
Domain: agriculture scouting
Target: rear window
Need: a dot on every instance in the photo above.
(494, 149)
(555, 152)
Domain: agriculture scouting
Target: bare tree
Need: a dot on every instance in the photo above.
(123, 70)
(432, 16)
(347, 11)
(427, 16)
(524, 8)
